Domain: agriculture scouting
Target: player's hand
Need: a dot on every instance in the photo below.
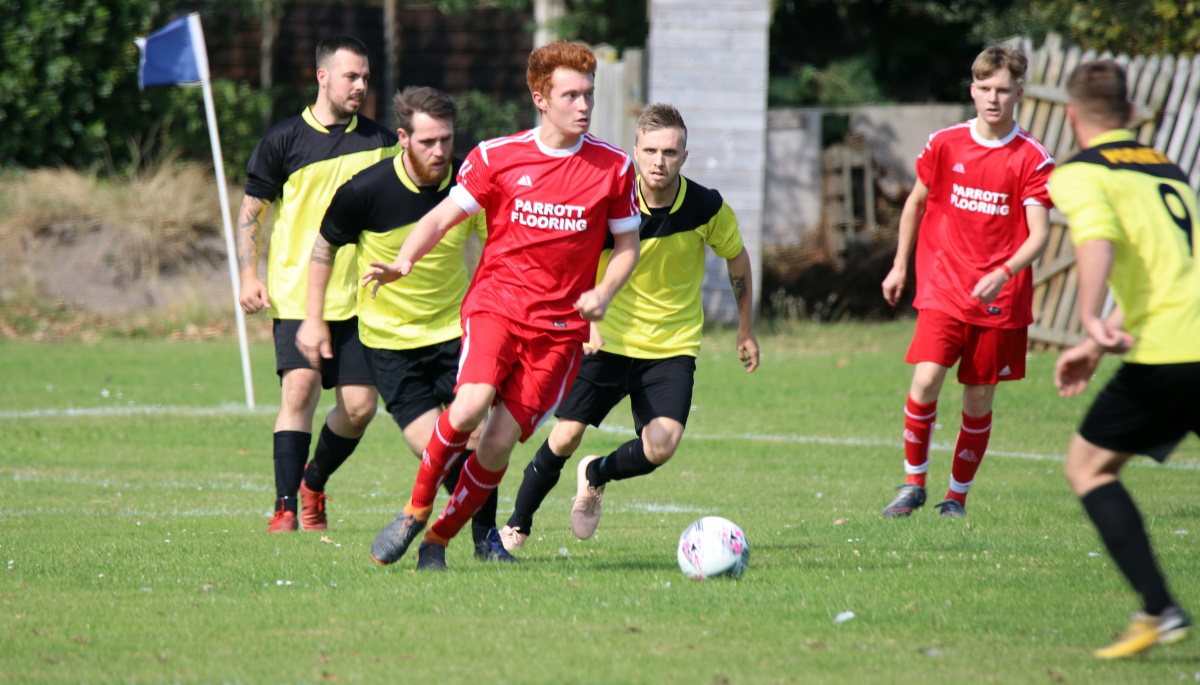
(1110, 339)
(382, 273)
(591, 305)
(893, 285)
(988, 287)
(747, 349)
(1075, 368)
(314, 342)
(595, 340)
(252, 296)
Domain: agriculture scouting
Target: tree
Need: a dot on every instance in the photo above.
(864, 51)
(82, 107)
(1117, 26)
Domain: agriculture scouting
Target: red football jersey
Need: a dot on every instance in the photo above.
(548, 212)
(975, 220)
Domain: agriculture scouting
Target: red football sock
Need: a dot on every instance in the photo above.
(918, 433)
(968, 454)
(445, 445)
(474, 486)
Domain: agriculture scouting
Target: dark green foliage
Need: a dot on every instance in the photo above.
(481, 118)
(69, 94)
(846, 52)
(1113, 25)
(619, 23)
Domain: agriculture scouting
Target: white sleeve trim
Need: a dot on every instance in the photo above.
(629, 223)
(1032, 201)
(465, 200)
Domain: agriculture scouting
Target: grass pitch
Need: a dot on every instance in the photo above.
(136, 491)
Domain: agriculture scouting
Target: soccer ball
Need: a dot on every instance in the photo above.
(711, 547)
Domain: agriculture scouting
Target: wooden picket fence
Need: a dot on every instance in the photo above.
(1164, 90)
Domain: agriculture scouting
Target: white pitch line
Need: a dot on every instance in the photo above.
(75, 478)
(236, 409)
(148, 410)
(895, 444)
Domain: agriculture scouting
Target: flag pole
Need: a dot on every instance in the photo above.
(201, 54)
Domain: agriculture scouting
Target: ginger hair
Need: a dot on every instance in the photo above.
(559, 54)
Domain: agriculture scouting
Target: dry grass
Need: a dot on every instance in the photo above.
(80, 253)
(160, 217)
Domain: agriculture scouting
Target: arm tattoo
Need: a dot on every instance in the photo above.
(323, 252)
(249, 231)
(739, 288)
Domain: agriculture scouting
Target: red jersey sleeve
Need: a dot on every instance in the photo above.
(623, 212)
(927, 162)
(473, 190)
(1037, 184)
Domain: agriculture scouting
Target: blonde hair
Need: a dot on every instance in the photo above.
(998, 57)
(659, 116)
(546, 59)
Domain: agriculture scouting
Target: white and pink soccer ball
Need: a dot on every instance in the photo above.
(711, 547)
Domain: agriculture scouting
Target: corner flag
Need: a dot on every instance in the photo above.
(176, 54)
(170, 54)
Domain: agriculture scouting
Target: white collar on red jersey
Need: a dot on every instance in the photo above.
(556, 152)
(1016, 129)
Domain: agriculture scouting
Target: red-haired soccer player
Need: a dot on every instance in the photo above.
(982, 205)
(551, 195)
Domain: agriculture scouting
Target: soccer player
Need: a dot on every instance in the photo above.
(551, 195)
(410, 333)
(983, 209)
(298, 165)
(1133, 220)
(651, 335)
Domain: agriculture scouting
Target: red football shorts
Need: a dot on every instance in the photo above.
(530, 369)
(988, 355)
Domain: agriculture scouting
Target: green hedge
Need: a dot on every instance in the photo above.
(69, 93)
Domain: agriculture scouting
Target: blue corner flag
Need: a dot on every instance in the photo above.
(173, 54)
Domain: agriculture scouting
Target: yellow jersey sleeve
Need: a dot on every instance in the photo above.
(1079, 192)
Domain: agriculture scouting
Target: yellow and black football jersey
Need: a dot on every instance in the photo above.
(1134, 196)
(298, 165)
(376, 210)
(659, 313)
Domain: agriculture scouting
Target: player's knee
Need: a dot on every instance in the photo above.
(466, 415)
(360, 413)
(566, 437)
(300, 394)
(977, 399)
(924, 389)
(660, 450)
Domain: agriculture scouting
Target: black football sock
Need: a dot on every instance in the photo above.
(332, 451)
(1117, 519)
(629, 460)
(484, 520)
(291, 452)
(451, 480)
(541, 475)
